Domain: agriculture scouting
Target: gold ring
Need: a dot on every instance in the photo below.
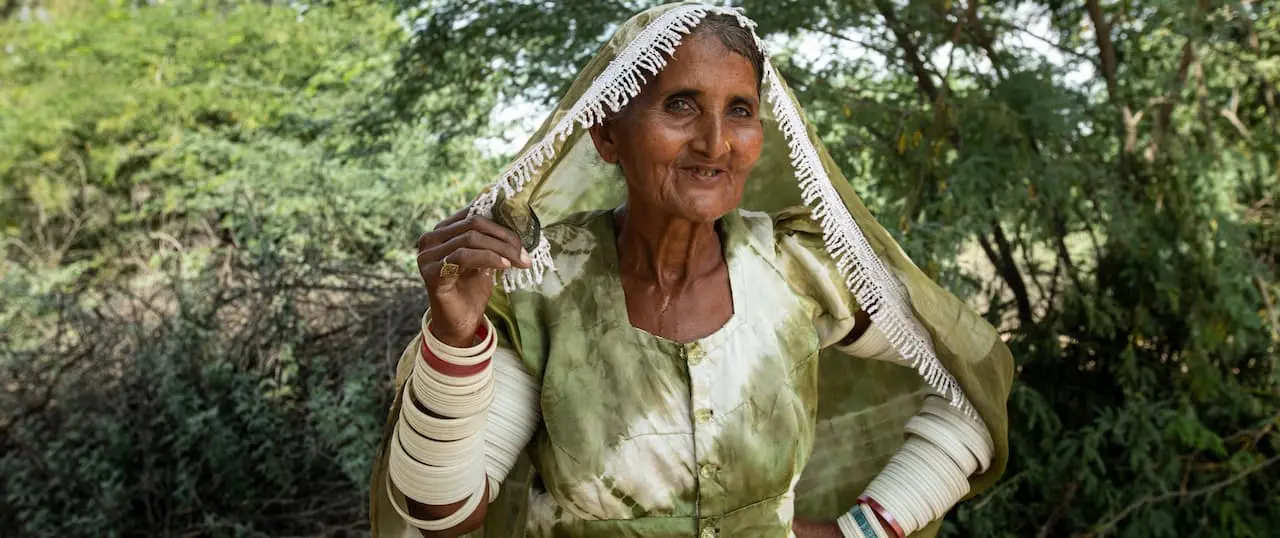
(449, 270)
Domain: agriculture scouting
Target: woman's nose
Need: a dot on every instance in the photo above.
(710, 139)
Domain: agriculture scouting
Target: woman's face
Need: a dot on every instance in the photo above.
(687, 143)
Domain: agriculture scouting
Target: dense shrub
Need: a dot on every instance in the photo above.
(207, 211)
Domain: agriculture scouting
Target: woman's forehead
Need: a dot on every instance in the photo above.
(702, 62)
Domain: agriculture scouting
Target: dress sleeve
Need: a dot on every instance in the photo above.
(511, 421)
(810, 269)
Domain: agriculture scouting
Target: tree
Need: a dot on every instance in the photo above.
(1104, 174)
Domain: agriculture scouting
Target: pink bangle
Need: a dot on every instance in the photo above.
(884, 515)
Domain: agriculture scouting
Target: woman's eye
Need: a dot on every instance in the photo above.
(741, 111)
(679, 105)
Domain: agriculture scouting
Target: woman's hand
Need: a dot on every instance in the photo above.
(478, 246)
(815, 529)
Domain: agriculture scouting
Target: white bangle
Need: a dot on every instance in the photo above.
(939, 463)
(923, 472)
(453, 520)
(431, 484)
(448, 384)
(934, 430)
(440, 429)
(461, 356)
(975, 435)
(890, 490)
(873, 521)
(916, 501)
(440, 453)
(919, 484)
(452, 405)
(872, 344)
(870, 526)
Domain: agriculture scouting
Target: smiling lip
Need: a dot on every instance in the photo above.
(706, 173)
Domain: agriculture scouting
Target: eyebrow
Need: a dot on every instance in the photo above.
(685, 92)
(695, 93)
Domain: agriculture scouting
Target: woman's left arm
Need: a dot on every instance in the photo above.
(944, 449)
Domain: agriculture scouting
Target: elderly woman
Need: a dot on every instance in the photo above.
(661, 361)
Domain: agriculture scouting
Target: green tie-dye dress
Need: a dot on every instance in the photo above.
(643, 436)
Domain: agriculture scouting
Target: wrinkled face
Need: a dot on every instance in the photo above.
(687, 143)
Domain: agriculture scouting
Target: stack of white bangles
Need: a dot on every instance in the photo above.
(447, 446)
(929, 474)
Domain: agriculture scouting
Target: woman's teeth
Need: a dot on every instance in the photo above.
(706, 172)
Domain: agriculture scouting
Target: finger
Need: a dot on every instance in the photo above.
(480, 240)
(470, 262)
(476, 259)
(456, 217)
(499, 231)
(435, 237)
(484, 226)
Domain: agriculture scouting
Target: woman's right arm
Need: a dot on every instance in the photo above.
(504, 428)
(468, 406)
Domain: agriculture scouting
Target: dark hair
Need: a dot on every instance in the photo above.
(736, 38)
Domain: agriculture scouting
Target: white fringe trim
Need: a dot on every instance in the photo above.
(516, 279)
(877, 290)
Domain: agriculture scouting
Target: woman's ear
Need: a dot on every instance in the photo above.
(606, 145)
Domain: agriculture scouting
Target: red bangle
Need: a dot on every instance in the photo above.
(482, 332)
(884, 515)
(451, 369)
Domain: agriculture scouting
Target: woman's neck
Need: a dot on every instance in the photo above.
(664, 249)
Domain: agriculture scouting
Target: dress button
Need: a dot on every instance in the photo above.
(707, 471)
(694, 354)
(703, 416)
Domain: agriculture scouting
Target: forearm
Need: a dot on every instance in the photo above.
(465, 414)
(943, 448)
(438, 512)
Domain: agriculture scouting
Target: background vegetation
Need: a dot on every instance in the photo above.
(207, 210)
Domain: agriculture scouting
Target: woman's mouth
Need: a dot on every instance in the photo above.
(705, 174)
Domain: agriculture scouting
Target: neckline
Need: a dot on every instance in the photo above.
(617, 297)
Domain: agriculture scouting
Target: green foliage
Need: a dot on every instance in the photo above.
(206, 275)
(208, 209)
(1113, 209)
(180, 427)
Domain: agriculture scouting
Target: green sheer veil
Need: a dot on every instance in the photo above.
(952, 350)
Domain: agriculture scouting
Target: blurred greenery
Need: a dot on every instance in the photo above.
(207, 211)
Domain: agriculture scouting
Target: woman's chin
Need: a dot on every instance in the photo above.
(706, 208)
